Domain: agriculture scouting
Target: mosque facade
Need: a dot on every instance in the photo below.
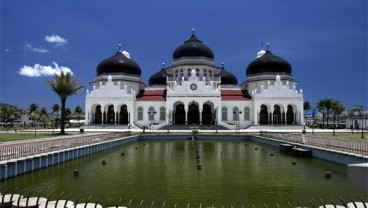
(193, 91)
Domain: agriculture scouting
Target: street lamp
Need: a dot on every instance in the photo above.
(151, 117)
(360, 110)
(237, 122)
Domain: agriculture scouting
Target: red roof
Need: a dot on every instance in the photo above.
(234, 94)
(152, 95)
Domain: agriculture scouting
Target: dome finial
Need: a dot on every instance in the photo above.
(163, 64)
(193, 30)
(268, 46)
(222, 64)
(119, 47)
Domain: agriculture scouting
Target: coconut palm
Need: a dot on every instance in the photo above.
(43, 114)
(77, 111)
(56, 108)
(68, 114)
(33, 109)
(307, 107)
(64, 85)
(328, 104)
(337, 108)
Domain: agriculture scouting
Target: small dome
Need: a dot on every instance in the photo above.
(193, 48)
(269, 63)
(158, 78)
(228, 78)
(119, 63)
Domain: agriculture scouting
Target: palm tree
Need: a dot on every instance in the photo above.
(64, 85)
(321, 107)
(307, 107)
(77, 111)
(337, 108)
(68, 114)
(33, 109)
(328, 104)
(56, 108)
(43, 113)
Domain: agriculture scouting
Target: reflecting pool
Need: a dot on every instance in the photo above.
(231, 173)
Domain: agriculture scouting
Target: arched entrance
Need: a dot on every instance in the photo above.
(179, 114)
(193, 114)
(110, 115)
(290, 115)
(123, 116)
(276, 115)
(263, 115)
(207, 114)
(98, 115)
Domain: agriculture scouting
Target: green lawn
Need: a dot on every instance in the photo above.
(356, 135)
(6, 137)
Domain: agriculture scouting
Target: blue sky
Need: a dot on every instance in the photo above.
(324, 41)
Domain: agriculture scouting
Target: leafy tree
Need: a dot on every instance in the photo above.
(33, 109)
(78, 111)
(43, 114)
(56, 108)
(337, 108)
(64, 85)
(6, 112)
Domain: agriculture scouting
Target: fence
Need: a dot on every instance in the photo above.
(355, 146)
(27, 148)
(42, 198)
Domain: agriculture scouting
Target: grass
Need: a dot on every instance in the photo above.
(356, 135)
(6, 137)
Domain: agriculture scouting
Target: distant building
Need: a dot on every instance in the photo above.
(193, 91)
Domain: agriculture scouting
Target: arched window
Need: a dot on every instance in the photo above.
(151, 113)
(224, 113)
(246, 114)
(236, 114)
(140, 114)
(162, 113)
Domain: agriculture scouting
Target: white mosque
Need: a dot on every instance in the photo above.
(193, 91)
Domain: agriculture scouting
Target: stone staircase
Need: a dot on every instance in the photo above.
(189, 127)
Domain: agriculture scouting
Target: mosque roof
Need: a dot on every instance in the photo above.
(152, 95)
(268, 63)
(193, 47)
(119, 63)
(234, 94)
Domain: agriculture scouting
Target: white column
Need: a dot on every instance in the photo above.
(200, 114)
(186, 107)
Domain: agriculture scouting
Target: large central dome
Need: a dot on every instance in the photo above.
(193, 48)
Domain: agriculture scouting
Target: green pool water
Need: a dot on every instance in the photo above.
(232, 173)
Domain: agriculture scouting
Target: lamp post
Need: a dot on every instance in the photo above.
(237, 122)
(360, 111)
(151, 118)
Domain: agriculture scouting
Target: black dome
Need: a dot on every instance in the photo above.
(193, 48)
(269, 63)
(228, 78)
(159, 78)
(118, 63)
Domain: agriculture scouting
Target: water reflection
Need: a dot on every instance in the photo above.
(232, 173)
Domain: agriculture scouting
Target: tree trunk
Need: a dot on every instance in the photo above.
(62, 119)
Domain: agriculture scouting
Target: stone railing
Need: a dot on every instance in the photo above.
(356, 146)
(26, 148)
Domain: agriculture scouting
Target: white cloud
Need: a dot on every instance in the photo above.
(39, 70)
(7, 50)
(56, 39)
(34, 49)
